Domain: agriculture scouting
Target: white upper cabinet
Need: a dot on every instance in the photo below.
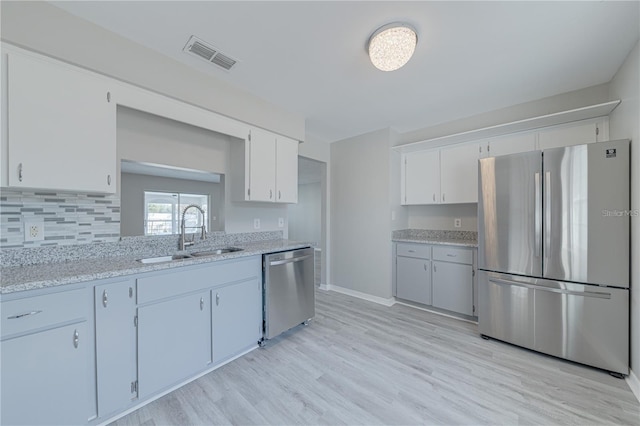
(581, 132)
(265, 168)
(61, 127)
(262, 165)
(421, 184)
(459, 174)
(509, 144)
(286, 170)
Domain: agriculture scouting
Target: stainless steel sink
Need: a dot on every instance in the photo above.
(161, 259)
(216, 251)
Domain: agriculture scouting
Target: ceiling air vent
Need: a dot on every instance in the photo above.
(205, 51)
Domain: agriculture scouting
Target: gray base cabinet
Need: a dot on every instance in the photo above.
(436, 275)
(174, 341)
(116, 354)
(44, 377)
(237, 318)
(453, 287)
(414, 279)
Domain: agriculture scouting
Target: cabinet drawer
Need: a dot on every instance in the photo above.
(453, 254)
(22, 315)
(185, 280)
(422, 251)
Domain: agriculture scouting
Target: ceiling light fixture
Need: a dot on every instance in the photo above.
(392, 45)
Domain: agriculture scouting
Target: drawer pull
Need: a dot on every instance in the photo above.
(76, 338)
(451, 255)
(412, 251)
(105, 298)
(26, 314)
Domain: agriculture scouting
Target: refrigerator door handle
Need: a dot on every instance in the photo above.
(547, 216)
(538, 213)
(596, 294)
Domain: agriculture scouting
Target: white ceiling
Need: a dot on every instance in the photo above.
(309, 57)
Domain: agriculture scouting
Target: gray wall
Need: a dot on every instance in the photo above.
(44, 28)
(625, 123)
(133, 187)
(360, 214)
(305, 222)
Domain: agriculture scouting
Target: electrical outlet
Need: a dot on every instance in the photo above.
(281, 222)
(457, 222)
(256, 223)
(34, 230)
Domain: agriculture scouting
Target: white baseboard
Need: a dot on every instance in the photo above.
(634, 384)
(375, 299)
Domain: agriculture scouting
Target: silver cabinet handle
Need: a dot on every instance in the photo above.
(130, 292)
(109, 180)
(270, 193)
(76, 338)
(108, 96)
(105, 298)
(451, 255)
(434, 268)
(201, 303)
(279, 195)
(20, 172)
(434, 196)
(425, 266)
(26, 314)
(217, 299)
(443, 196)
(412, 251)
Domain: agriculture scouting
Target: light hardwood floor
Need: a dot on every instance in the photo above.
(363, 363)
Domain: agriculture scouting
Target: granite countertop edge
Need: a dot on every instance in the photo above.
(33, 277)
(438, 241)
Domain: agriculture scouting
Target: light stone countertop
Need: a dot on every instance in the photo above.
(31, 277)
(427, 236)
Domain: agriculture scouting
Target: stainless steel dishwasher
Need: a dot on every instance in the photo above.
(289, 293)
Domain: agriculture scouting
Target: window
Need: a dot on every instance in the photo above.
(163, 212)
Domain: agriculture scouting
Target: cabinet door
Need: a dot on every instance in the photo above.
(459, 174)
(237, 318)
(44, 377)
(262, 165)
(512, 144)
(453, 287)
(61, 127)
(413, 279)
(422, 177)
(286, 170)
(174, 341)
(115, 310)
(573, 134)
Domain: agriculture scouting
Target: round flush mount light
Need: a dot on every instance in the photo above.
(391, 46)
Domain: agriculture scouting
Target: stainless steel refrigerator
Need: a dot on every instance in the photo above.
(553, 252)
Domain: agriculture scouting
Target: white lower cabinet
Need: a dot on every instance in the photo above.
(439, 276)
(44, 377)
(116, 349)
(453, 287)
(413, 280)
(237, 318)
(174, 341)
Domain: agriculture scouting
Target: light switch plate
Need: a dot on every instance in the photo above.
(256, 223)
(33, 230)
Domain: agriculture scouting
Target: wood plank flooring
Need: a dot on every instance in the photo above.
(363, 363)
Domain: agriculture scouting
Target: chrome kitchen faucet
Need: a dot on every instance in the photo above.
(182, 243)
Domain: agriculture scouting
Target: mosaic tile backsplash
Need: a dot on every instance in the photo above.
(68, 218)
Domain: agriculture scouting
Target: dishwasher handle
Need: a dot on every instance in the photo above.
(292, 260)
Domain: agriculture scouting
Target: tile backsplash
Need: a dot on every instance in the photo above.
(67, 218)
